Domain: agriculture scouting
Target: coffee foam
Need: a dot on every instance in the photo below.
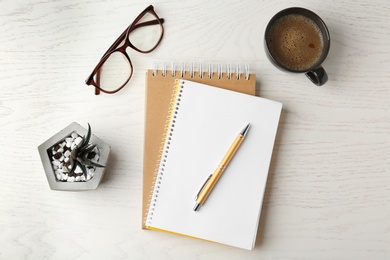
(295, 41)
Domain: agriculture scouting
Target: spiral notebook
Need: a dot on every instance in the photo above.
(158, 95)
(201, 125)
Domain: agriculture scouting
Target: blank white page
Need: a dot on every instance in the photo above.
(208, 121)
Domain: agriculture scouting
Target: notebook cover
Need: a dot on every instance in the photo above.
(158, 95)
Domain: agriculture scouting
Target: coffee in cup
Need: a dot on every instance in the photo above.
(297, 40)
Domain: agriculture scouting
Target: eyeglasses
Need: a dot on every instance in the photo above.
(115, 69)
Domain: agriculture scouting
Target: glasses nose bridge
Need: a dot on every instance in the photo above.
(124, 46)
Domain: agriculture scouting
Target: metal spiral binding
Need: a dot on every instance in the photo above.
(221, 71)
(211, 71)
(164, 70)
(163, 152)
(229, 71)
(173, 69)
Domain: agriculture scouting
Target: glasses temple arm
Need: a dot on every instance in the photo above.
(154, 22)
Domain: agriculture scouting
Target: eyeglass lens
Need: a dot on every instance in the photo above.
(114, 72)
(145, 38)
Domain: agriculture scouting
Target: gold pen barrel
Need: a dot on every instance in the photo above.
(231, 152)
(209, 186)
(213, 179)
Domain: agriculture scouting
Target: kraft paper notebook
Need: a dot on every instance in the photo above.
(159, 85)
(202, 123)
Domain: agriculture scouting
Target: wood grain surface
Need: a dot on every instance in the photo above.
(328, 194)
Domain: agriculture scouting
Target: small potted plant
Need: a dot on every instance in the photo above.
(74, 159)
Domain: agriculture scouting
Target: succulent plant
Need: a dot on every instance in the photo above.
(80, 155)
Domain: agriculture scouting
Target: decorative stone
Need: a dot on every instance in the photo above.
(78, 140)
(56, 162)
(73, 145)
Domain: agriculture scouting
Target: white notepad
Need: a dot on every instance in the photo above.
(208, 120)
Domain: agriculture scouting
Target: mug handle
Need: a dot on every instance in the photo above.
(318, 76)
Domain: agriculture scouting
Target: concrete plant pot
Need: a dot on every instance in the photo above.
(59, 179)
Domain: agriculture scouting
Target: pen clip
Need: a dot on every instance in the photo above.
(203, 186)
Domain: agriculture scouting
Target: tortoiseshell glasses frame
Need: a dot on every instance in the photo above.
(120, 46)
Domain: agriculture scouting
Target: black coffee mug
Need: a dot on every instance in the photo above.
(297, 40)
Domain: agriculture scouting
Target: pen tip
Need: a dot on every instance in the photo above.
(197, 206)
(245, 130)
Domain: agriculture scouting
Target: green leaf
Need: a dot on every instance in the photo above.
(91, 163)
(72, 165)
(89, 133)
(87, 150)
(74, 153)
(83, 168)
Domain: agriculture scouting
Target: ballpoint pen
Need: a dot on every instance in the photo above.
(209, 184)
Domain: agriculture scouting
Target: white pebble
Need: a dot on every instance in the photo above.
(73, 145)
(77, 178)
(78, 170)
(68, 144)
(66, 159)
(78, 140)
(71, 179)
(56, 162)
(74, 135)
(82, 177)
(67, 153)
(65, 177)
(58, 176)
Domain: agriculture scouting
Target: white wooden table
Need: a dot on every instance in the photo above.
(328, 195)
